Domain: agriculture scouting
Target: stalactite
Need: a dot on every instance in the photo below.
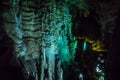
(40, 36)
(66, 37)
(48, 41)
(58, 69)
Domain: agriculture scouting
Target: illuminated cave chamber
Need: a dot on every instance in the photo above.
(59, 40)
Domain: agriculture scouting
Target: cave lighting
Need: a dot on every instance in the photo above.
(101, 77)
(84, 45)
(97, 45)
(81, 76)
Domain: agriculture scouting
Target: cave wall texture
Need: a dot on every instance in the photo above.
(46, 34)
(40, 34)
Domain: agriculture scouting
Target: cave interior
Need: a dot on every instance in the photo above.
(64, 39)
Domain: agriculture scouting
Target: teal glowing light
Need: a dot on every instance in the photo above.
(84, 46)
(81, 76)
(98, 69)
(101, 77)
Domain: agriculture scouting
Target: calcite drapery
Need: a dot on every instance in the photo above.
(40, 31)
